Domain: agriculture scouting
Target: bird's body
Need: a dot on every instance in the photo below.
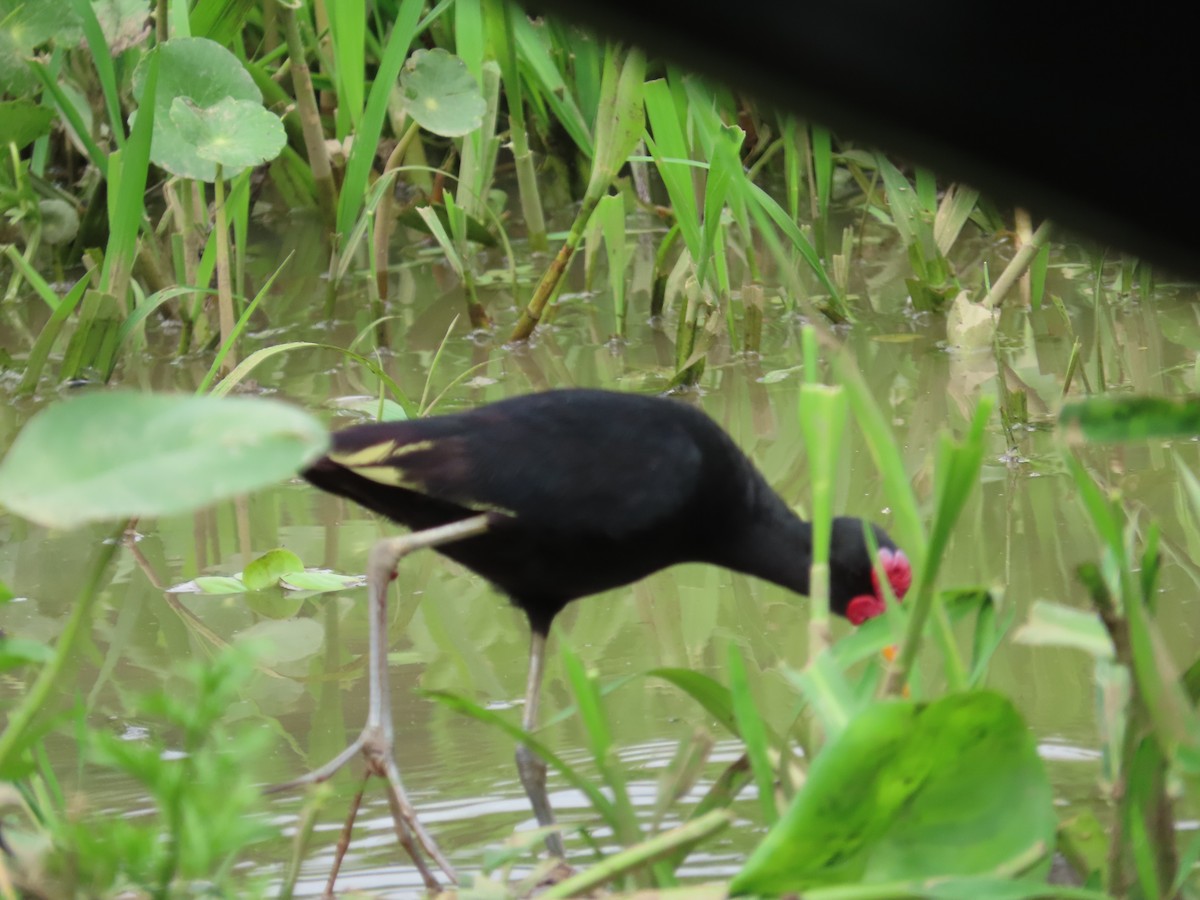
(556, 496)
(587, 490)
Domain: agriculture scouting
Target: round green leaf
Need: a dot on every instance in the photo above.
(270, 567)
(115, 454)
(441, 94)
(24, 26)
(237, 134)
(203, 72)
(60, 222)
(21, 651)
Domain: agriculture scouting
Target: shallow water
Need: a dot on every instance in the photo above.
(1022, 534)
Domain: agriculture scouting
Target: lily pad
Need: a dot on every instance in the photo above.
(441, 93)
(204, 73)
(108, 455)
(266, 570)
(236, 134)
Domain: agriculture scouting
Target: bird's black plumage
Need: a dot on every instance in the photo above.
(587, 490)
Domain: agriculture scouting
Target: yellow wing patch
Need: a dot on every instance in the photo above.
(379, 462)
(392, 476)
(377, 454)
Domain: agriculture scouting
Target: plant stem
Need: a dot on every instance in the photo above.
(546, 288)
(658, 847)
(224, 282)
(310, 119)
(1021, 261)
(384, 216)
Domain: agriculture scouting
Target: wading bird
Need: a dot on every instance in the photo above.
(559, 495)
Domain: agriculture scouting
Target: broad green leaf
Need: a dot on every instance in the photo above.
(204, 73)
(22, 122)
(854, 791)
(1111, 419)
(620, 120)
(268, 569)
(440, 94)
(22, 651)
(109, 455)
(908, 792)
(985, 761)
(25, 25)
(236, 134)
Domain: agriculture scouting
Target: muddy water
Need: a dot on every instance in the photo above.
(1022, 534)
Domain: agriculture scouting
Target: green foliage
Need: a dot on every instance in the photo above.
(275, 569)
(756, 217)
(200, 73)
(150, 455)
(23, 122)
(234, 134)
(440, 94)
(885, 801)
(1117, 419)
(194, 772)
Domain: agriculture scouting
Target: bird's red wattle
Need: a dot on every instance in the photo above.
(899, 573)
(860, 609)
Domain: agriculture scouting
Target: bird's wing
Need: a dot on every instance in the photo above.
(573, 471)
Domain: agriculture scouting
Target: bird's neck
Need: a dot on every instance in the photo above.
(775, 545)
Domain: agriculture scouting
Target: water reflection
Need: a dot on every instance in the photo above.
(1023, 533)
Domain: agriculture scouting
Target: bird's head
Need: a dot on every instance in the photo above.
(855, 591)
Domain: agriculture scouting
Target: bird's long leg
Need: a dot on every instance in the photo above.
(530, 766)
(376, 741)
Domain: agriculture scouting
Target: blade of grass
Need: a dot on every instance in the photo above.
(754, 734)
(40, 352)
(362, 154)
(600, 803)
(660, 847)
(599, 736)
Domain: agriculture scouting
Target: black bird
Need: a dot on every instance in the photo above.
(572, 492)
